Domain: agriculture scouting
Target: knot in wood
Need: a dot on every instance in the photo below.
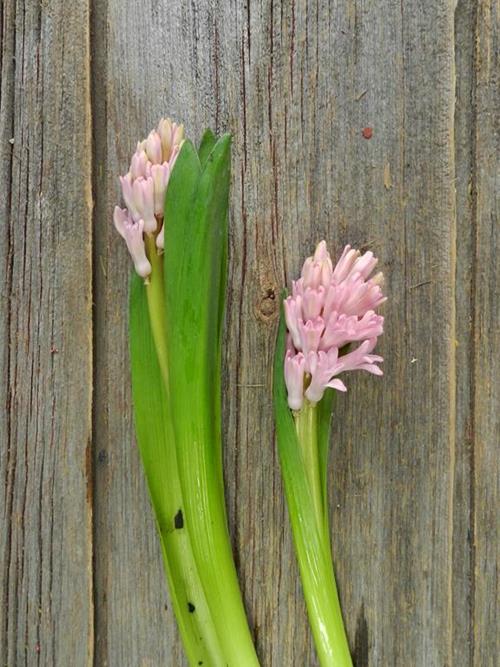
(268, 305)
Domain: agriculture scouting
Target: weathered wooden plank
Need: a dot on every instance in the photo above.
(296, 83)
(394, 445)
(486, 322)
(465, 17)
(45, 335)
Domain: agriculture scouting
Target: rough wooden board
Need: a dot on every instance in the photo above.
(465, 18)
(393, 456)
(289, 81)
(486, 380)
(45, 333)
(134, 624)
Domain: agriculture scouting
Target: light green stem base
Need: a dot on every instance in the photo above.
(314, 556)
(196, 626)
(198, 563)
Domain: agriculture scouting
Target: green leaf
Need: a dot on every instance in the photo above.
(196, 218)
(179, 197)
(324, 410)
(207, 143)
(195, 256)
(153, 425)
(195, 243)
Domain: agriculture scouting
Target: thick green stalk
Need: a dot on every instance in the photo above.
(206, 521)
(325, 615)
(156, 443)
(306, 423)
(302, 459)
(195, 268)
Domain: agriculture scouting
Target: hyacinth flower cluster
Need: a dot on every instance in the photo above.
(175, 226)
(143, 189)
(329, 326)
(329, 309)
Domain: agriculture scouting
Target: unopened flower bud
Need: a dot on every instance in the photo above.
(160, 174)
(294, 379)
(132, 232)
(153, 147)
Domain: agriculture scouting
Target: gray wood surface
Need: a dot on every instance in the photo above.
(414, 473)
(46, 609)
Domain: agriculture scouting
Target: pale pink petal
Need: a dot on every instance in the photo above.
(294, 379)
(140, 165)
(153, 147)
(132, 232)
(337, 384)
(345, 264)
(321, 366)
(160, 174)
(120, 218)
(293, 314)
(135, 243)
(312, 302)
(160, 239)
(172, 136)
(317, 270)
(365, 264)
(143, 194)
(165, 132)
(128, 196)
(310, 334)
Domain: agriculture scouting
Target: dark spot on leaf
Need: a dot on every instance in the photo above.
(200, 662)
(191, 607)
(179, 520)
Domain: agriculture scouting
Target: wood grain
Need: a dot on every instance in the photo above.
(46, 345)
(486, 322)
(414, 473)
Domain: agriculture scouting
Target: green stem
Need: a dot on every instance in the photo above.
(197, 432)
(156, 306)
(314, 555)
(306, 423)
(200, 638)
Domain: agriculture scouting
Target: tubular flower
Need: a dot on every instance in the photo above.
(329, 309)
(132, 232)
(143, 189)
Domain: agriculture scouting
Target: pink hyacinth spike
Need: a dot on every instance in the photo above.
(329, 310)
(144, 188)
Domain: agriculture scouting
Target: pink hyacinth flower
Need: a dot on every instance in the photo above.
(132, 232)
(144, 188)
(329, 309)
